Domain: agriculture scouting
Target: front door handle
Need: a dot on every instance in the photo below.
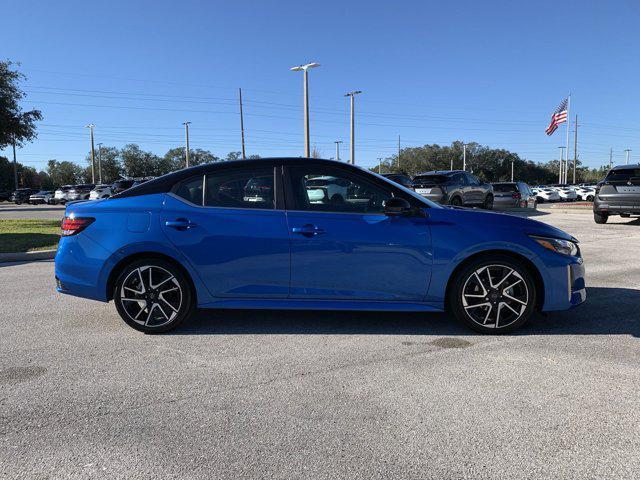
(308, 230)
(180, 224)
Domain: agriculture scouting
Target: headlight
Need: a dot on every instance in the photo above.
(565, 247)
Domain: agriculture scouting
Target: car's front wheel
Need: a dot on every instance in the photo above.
(153, 295)
(488, 203)
(495, 294)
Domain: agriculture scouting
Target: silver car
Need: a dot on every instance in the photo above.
(513, 195)
(43, 196)
(79, 192)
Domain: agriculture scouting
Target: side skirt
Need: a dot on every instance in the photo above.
(314, 304)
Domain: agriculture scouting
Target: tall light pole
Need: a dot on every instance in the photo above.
(610, 158)
(512, 170)
(464, 157)
(398, 153)
(305, 69)
(338, 142)
(15, 163)
(561, 172)
(93, 162)
(627, 158)
(352, 96)
(100, 163)
(241, 122)
(186, 148)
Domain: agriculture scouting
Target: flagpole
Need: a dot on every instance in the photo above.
(566, 169)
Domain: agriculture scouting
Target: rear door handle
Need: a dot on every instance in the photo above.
(180, 224)
(308, 230)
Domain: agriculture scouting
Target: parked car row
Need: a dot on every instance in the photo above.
(69, 193)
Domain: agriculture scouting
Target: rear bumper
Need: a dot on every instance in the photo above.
(617, 204)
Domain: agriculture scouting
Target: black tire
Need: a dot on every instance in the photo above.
(163, 310)
(488, 203)
(589, 198)
(540, 200)
(473, 278)
(456, 202)
(600, 217)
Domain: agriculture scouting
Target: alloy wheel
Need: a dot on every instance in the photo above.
(495, 296)
(151, 296)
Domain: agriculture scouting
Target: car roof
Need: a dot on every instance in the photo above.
(627, 167)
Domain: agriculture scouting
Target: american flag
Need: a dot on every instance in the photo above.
(558, 117)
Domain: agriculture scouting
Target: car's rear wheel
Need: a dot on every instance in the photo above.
(600, 217)
(456, 202)
(153, 295)
(495, 294)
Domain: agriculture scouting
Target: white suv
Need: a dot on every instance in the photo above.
(100, 191)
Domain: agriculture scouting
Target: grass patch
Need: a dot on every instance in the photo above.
(28, 235)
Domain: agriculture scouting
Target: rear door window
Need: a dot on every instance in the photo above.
(242, 188)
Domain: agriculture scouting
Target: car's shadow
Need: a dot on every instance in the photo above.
(608, 311)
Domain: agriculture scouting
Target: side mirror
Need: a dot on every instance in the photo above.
(396, 206)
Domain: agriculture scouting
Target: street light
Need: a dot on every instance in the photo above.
(186, 147)
(561, 172)
(338, 142)
(93, 164)
(100, 163)
(353, 148)
(304, 69)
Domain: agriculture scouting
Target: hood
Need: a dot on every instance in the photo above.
(499, 221)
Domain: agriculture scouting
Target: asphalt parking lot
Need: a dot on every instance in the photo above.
(10, 211)
(255, 394)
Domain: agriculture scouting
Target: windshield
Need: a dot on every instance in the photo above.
(625, 174)
(504, 187)
(431, 179)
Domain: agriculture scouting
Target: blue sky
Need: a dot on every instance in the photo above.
(431, 71)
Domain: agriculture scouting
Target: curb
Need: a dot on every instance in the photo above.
(27, 256)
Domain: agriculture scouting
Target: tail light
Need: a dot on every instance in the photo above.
(74, 225)
(517, 195)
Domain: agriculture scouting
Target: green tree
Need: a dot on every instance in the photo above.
(138, 163)
(15, 125)
(231, 156)
(110, 164)
(64, 173)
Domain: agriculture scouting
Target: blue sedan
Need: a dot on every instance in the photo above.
(298, 233)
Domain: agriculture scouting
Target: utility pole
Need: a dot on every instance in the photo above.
(398, 153)
(100, 163)
(627, 158)
(575, 150)
(610, 158)
(241, 122)
(186, 148)
(338, 142)
(560, 174)
(512, 170)
(15, 163)
(93, 161)
(566, 167)
(353, 128)
(379, 165)
(304, 69)
(464, 157)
